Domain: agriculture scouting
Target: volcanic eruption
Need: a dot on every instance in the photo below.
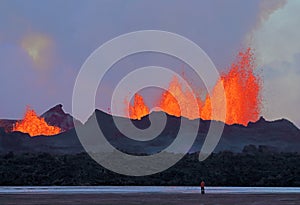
(139, 108)
(35, 125)
(242, 92)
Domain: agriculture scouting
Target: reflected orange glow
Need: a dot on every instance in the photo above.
(38, 48)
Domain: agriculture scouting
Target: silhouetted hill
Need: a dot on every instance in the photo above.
(57, 117)
(278, 136)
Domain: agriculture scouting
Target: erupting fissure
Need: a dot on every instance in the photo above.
(139, 108)
(35, 125)
(242, 92)
(176, 95)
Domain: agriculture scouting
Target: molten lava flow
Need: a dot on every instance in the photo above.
(139, 108)
(34, 125)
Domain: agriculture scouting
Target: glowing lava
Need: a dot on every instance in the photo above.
(34, 125)
(139, 108)
(242, 92)
(176, 95)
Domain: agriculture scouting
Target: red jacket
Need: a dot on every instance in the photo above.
(202, 184)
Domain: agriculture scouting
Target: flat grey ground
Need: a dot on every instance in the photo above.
(151, 199)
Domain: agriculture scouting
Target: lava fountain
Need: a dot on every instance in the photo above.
(35, 125)
(176, 94)
(242, 89)
(139, 109)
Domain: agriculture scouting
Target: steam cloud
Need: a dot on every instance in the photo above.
(275, 38)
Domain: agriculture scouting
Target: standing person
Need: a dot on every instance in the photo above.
(202, 187)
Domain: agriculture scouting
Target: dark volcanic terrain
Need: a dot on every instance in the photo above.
(260, 154)
(275, 136)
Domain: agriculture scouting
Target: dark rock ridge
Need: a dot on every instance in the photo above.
(275, 136)
(7, 124)
(57, 117)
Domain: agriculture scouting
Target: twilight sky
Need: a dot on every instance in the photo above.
(44, 43)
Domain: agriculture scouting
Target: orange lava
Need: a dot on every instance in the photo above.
(176, 95)
(35, 125)
(242, 92)
(139, 108)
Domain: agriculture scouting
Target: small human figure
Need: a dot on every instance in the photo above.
(202, 187)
